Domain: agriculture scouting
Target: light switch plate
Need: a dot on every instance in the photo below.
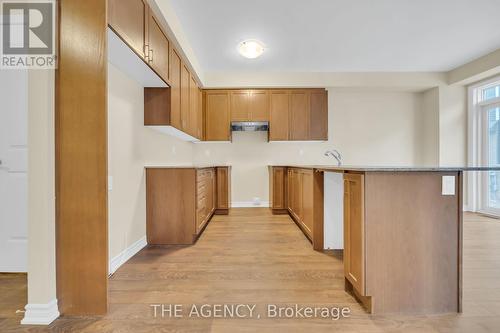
(448, 185)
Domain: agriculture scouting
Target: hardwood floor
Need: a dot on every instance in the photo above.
(252, 257)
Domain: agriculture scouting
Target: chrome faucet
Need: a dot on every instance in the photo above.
(335, 154)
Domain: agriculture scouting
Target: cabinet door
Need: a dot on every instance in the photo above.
(307, 202)
(297, 194)
(277, 188)
(175, 89)
(223, 188)
(318, 128)
(299, 115)
(290, 190)
(128, 19)
(213, 191)
(185, 78)
(259, 105)
(193, 108)
(354, 233)
(217, 116)
(279, 115)
(158, 50)
(239, 105)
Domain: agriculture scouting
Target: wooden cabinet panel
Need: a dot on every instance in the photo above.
(299, 115)
(200, 115)
(158, 49)
(354, 231)
(185, 78)
(277, 187)
(318, 127)
(290, 189)
(279, 115)
(217, 116)
(170, 206)
(127, 19)
(175, 89)
(193, 126)
(223, 189)
(239, 105)
(307, 201)
(258, 105)
(296, 194)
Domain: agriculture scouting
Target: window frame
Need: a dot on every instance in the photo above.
(478, 145)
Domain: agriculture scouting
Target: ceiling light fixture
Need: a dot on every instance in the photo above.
(251, 48)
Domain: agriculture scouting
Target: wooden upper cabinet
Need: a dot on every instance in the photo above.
(128, 19)
(185, 78)
(318, 126)
(258, 105)
(157, 48)
(239, 105)
(217, 116)
(299, 115)
(175, 88)
(249, 105)
(354, 231)
(279, 115)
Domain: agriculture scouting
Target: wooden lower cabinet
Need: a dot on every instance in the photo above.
(223, 203)
(205, 197)
(181, 201)
(277, 189)
(292, 190)
(354, 231)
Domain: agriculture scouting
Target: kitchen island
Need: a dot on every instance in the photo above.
(402, 230)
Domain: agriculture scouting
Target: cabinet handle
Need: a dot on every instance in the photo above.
(151, 55)
(146, 51)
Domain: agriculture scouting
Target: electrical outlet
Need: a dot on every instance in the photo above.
(449, 185)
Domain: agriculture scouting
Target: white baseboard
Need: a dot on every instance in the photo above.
(40, 314)
(126, 254)
(467, 209)
(249, 204)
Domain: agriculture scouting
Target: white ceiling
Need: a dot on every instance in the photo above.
(340, 35)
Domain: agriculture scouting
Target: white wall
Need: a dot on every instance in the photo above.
(131, 146)
(430, 127)
(452, 126)
(368, 127)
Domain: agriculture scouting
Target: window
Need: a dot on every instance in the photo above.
(484, 146)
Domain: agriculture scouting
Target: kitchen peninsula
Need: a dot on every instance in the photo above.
(180, 201)
(402, 230)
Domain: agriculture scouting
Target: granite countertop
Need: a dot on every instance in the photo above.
(185, 166)
(358, 168)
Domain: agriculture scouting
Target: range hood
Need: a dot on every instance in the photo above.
(250, 126)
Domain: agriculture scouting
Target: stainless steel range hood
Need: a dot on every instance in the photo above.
(250, 126)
